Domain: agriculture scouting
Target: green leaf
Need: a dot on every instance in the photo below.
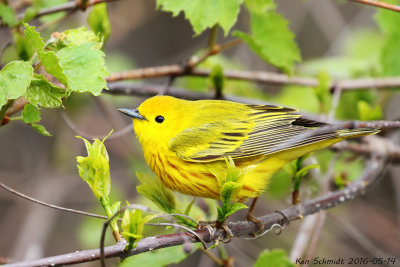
(84, 67)
(303, 171)
(30, 14)
(160, 257)
(34, 36)
(23, 46)
(115, 208)
(7, 15)
(15, 78)
(43, 93)
(367, 113)
(51, 64)
(273, 258)
(272, 40)
(133, 225)
(99, 22)
(78, 62)
(95, 169)
(204, 14)
(153, 189)
(234, 207)
(73, 37)
(230, 190)
(30, 114)
(40, 129)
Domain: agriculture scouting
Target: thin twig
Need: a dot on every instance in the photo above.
(50, 205)
(379, 4)
(242, 228)
(374, 144)
(74, 128)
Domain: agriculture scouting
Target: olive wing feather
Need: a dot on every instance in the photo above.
(210, 141)
(263, 128)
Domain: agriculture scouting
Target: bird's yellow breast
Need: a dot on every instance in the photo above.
(198, 179)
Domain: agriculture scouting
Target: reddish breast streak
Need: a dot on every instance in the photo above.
(181, 173)
(246, 188)
(195, 174)
(207, 188)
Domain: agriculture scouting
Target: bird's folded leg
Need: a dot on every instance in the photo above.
(252, 218)
(228, 232)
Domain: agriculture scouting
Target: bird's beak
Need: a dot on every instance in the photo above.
(134, 113)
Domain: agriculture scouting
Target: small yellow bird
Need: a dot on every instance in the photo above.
(186, 142)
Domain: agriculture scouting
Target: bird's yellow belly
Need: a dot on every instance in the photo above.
(185, 177)
(198, 179)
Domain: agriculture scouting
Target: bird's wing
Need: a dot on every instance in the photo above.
(210, 141)
(261, 130)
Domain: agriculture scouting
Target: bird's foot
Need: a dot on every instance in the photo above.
(229, 235)
(220, 226)
(260, 225)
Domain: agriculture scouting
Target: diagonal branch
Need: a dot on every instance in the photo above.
(238, 229)
(380, 4)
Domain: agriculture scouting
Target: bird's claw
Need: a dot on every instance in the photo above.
(219, 226)
(260, 225)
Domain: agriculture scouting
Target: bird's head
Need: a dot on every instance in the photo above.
(159, 118)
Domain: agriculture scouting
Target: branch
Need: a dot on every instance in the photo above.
(374, 144)
(238, 229)
(379, 4)
(69, 6)
(179, 70)
(254, 76)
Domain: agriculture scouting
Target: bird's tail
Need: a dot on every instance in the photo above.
(351, 133)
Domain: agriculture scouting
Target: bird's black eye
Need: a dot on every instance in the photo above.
(160, 119)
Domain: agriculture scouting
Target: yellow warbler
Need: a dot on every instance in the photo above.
(186, 142)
